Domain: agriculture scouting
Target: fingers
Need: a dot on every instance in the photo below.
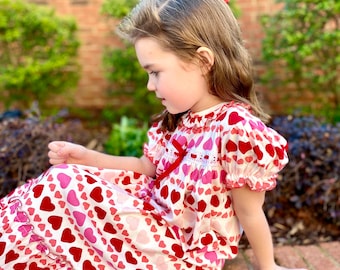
(56, 145)
(55, 154)
(65, 152)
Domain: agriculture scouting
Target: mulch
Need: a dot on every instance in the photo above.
(298, 227)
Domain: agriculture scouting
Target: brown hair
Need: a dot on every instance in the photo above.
(182, 26)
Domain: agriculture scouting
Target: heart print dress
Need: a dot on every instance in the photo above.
(84, 218)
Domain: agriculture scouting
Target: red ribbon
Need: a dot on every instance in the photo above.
(180, 155)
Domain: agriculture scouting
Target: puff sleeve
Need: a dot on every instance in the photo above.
(252, 154)
(155, 146)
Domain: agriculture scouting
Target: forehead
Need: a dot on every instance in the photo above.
(149, 51)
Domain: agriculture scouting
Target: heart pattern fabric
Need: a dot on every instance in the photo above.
(83, 218)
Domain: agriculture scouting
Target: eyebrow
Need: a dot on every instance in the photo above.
(148, 66)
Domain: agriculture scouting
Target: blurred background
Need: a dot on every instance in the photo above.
(64, 74)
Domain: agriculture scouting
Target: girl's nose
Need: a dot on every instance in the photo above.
(151, 85)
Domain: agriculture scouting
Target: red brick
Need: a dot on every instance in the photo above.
(287, 256)
(332, 249)
(316, 258)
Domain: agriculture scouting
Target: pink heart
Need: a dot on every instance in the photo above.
(64, 180)
(35, 238)
(89, 235)
(208, 144)
(211, 256)
(80, 218)
(21, 217)
(142, 237)
(25, 229)
(133, 222)
(72, 198)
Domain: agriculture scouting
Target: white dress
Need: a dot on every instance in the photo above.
(79, 217)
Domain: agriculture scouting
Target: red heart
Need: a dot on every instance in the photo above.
(55, 221)
(234, 118)
(90, 180)
(126, 181)
(19, 266)
(67, 236)
(34, 266)
(244, 146)
(231, 146)
(206, 240)
(201, 206)
(165, 192)
(117, 243)
(47, 205)
(147, 206)
(270, 150)
(228, 202)
(88, 265)
(100, 212)
(108, 227)
(258, 152)
(96, 194)
(214, 201)
(37, 190)
(129, 258)
(179, 253)
(11, 256)
(234, 249)
(175, 196)
(280, 152)
(76, 253)
(2, 247)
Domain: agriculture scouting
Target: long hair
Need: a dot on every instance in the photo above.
(182, 26)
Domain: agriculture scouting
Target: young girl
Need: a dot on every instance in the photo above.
(202, 179)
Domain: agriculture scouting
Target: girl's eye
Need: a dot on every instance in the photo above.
(154, 73)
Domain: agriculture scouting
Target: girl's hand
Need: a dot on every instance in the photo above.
(66, 152)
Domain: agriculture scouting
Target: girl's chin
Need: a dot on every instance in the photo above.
(173, 111)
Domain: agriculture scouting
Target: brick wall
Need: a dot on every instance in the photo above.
(95, 33)
(251, 10)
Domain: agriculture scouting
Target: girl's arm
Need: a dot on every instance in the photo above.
(248, 207)
(65, 152)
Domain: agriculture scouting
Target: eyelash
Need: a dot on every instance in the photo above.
(154, 73)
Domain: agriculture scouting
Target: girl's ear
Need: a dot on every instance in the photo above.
(207, 58)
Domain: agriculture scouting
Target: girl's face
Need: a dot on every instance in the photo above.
(180, 86)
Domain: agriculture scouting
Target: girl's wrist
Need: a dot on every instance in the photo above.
(90, 157)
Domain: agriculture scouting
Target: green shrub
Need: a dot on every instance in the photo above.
(127, 138)
(301, 49)
(37, 53)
